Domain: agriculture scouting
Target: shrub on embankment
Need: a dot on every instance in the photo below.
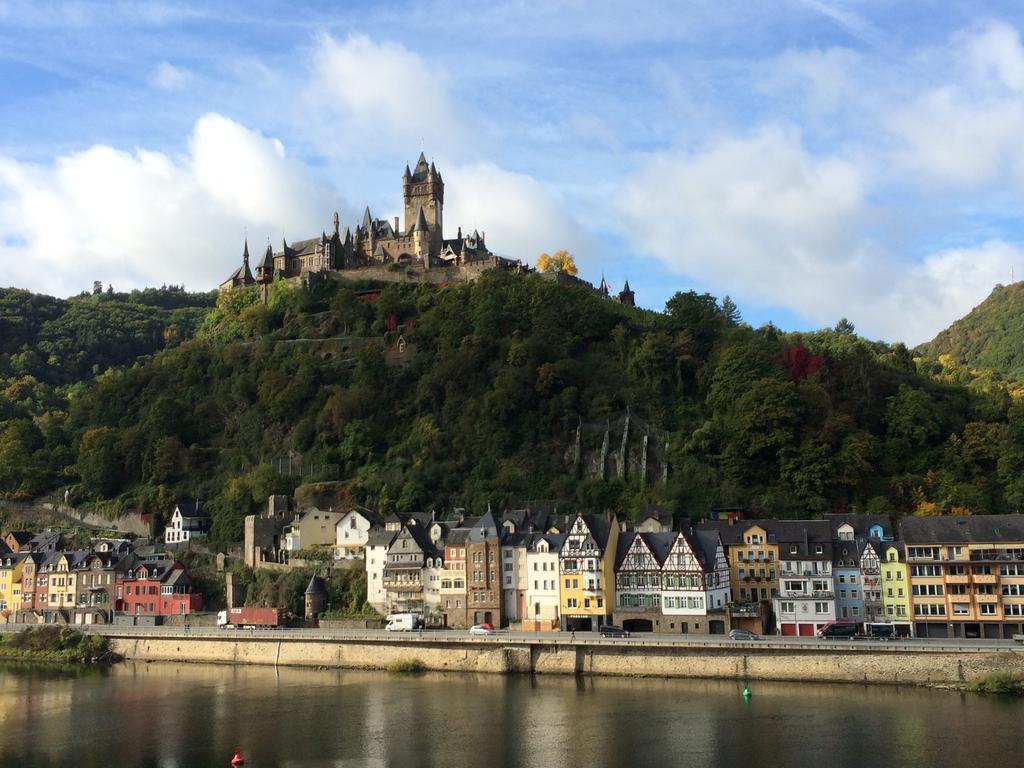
(58, 644)
(406, 666)
(1006, 683)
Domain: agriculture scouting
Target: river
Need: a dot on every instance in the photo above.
(191, 716)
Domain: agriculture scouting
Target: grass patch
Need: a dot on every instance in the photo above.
(406, 666)
(58, 644)
(1005, 683)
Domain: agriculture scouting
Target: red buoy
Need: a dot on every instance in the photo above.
(237, 760)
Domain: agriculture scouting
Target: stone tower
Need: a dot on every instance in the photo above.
(316, 598)
(423, 188)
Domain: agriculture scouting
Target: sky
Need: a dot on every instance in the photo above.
(812, 159)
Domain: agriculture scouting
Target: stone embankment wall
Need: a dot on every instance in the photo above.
(900, 667)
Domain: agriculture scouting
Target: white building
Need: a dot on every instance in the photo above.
(352, 532)
(806, 600)
(541, 574)
(189, 519)
(377, 544)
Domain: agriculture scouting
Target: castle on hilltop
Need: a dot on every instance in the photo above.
(379, 248)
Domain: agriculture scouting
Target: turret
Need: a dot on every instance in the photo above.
(336, 222)
(626, 295)
(421, 236)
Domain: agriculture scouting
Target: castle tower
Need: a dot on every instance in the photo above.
(316, 598)
(265, 269)
(626, 296)
(423, 189)
(421, 237)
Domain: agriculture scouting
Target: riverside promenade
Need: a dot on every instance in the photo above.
(903, 662)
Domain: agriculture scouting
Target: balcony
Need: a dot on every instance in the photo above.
(984, 578)
(745, 610)
(980, 598)
(958, 578)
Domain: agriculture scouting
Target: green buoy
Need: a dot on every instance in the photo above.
(746, 693)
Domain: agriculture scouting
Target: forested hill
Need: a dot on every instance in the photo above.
(989, 338)
(422, 398)
(51, 348)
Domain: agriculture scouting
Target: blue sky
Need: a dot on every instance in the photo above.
(813, 159)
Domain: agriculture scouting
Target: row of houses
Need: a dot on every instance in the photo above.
(41, 581)
(943, 576)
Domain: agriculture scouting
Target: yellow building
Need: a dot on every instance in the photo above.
(753, 552)
(895, 584)
(586, 576)
(10, 582)
(60, 591)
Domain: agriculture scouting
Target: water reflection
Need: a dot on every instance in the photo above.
(168, 716)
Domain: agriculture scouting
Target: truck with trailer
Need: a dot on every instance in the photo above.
(252, 618)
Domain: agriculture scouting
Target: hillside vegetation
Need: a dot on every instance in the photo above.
(989, 339)
(51, 349)
(303, 391)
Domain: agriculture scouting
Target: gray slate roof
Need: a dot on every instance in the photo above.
(963, 530)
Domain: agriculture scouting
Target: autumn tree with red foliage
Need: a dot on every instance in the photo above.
(800, 361)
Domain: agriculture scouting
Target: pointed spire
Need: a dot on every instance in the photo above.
(422, 161)
(366, 218)
(245, 253)
(421, 221)
(336, 220)
(347, 235)
(626, 286)
(408, 173)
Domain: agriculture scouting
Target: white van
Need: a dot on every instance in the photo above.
(403, 622)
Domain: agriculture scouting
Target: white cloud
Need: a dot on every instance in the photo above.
(143, 218)
(168, 77)
(519, 215)
(946, 285)
(772, 225)
(379, 96)
(965, 131)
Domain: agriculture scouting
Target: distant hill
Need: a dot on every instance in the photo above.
(990, 336)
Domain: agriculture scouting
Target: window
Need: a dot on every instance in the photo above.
(786, 607)
(820, 608)
(926, 570)
(927, 590)
(961, 609)
(988, 609)
(929, 610)
(1013, 609)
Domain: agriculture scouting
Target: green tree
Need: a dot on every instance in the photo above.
(100, 462)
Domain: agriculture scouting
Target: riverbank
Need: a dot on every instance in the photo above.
(58, 645)
(876, 663)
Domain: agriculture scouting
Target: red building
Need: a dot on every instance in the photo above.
(157, 588)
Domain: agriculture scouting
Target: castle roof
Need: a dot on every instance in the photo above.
(422, 170)
(421, 221)
(268, 258)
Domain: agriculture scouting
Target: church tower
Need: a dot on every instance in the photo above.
(423, 189)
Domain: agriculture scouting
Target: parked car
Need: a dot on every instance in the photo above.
(482, 629)
(742, 634)
(610, 630)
